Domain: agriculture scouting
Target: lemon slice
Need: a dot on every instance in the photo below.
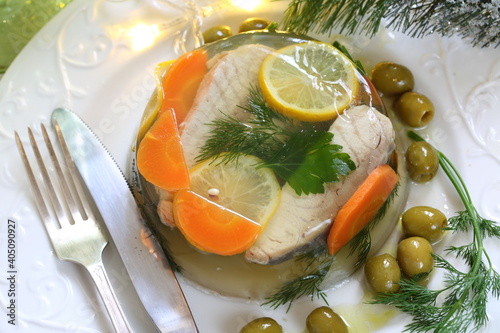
(239, 186)
(310, 81)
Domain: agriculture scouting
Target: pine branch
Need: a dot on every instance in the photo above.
(474, 19)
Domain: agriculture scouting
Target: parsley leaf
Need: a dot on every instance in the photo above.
(308, 160)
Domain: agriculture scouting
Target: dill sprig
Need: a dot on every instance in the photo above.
(260, 135)
(308, 284)
(477, 20)
(465, 294)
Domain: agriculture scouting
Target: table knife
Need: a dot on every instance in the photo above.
(149, 270)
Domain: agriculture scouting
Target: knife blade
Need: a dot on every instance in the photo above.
(150, 273)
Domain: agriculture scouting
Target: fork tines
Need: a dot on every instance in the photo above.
(71, 197)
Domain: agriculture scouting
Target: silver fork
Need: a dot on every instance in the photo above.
(75, 237)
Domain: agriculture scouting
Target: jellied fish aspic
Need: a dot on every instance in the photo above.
(364, 133)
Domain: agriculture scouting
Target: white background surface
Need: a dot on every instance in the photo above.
(85, 60)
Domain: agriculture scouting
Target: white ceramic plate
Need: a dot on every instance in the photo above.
(87, 59)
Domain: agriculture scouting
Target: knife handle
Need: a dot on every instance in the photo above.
(109, 298)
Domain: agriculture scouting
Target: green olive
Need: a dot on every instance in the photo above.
(414, 109)
(325, 320)
(253, 23)
(415, 256)
(392, 79)
(425, 222)
(262, 325)
(383, 273)
(422, 161)
(215, 33)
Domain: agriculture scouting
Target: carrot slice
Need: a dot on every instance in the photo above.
(211, 227)
(160, 157)
(361, 207)
(181, 83)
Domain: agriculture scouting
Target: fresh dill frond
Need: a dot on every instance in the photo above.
(160, 238)
(461, 223)
(260, 135)
(309, 284)
(311, 257)
(461, 305)
(477, 20)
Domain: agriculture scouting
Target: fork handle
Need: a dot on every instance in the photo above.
(108, 296)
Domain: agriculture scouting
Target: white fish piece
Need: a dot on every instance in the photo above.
(223, 90)
(368, 137)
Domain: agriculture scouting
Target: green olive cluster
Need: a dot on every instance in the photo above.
(394, 80)
(414, 109)
(320, 320)
(217, 32)
(422, 226)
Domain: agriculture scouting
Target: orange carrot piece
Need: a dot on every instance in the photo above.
(361, 207)
(181, 83)
(211, 227)
(160, 157)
